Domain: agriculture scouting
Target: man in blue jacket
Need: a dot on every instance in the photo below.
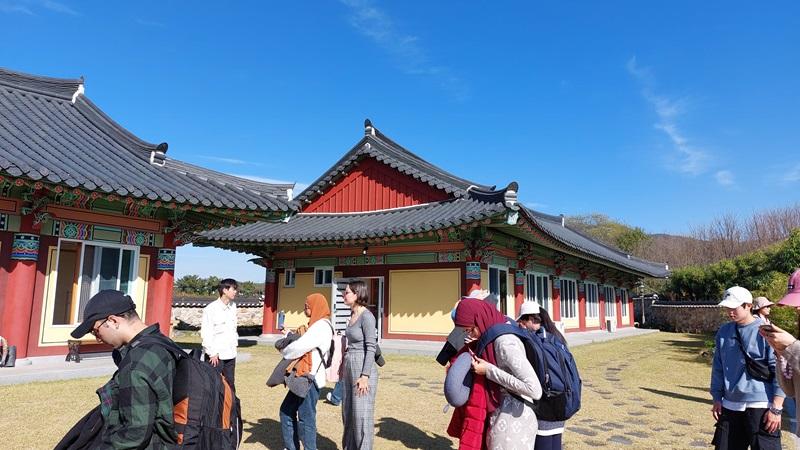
(747, 410)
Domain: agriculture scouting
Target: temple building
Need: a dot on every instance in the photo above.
(85, 205)
(420, 238)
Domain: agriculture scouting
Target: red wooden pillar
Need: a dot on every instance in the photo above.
(472, 276)
(618, 301)
(581, 305)
(159, 298)
(556, 288)
(519, 289)
(270, 300)
(601, 300)
(18, 304)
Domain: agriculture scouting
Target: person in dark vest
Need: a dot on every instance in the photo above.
(136, 404)
(535, 319)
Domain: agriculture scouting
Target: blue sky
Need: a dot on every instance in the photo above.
(660, 114)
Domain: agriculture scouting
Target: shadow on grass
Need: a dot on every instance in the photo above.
(193, 345)
(690, 398)
(696, 388)
(267, 432)
(410, 436)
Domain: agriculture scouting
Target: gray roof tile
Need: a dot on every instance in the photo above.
(306, 227)
(45, 136)
(574, 239)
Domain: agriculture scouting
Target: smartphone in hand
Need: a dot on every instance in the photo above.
(767, 327)
(474, 357)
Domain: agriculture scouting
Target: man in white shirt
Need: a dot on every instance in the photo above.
(218, 330)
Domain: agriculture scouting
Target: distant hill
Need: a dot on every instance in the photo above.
(724, 237)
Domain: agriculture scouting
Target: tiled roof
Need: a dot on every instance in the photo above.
(576, 240)
(377, 145)
(306, 227)
(50, 131)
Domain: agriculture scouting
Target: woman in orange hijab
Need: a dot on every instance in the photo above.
(299, 414)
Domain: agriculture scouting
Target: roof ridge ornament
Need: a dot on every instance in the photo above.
(510, 196)
(158, 157)
(79, 91)
(369, 130)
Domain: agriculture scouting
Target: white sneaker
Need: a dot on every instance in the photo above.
(328, 397)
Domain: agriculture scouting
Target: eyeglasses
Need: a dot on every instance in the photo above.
(96, 329)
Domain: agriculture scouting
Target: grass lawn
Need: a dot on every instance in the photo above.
(639, 393)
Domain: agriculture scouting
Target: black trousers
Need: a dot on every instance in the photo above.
(740, 430)
(227, 367)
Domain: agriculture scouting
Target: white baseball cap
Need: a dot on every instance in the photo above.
(735, 296)
(528, 308)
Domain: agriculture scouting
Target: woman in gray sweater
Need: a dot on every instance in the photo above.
(360, 376)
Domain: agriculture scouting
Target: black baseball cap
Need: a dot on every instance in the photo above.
(103, 304)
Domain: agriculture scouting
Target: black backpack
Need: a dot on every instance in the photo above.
(207, 413)
(554, 365)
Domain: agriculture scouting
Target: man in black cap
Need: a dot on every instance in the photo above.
(136, 403)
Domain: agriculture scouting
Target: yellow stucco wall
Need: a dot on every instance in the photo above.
(421, 300)
(291, 300)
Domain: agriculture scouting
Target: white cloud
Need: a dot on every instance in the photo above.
(58, 7)
(793, 175)
(690, 159)
(151, 23)
(29, 6)
(238, 162)
(724, 177)
(14, 7)
(406, 49)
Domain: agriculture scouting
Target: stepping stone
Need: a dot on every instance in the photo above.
(652, 406)
(681, 422)
(638, 434)
(636, 399)
(593, 443)
(614, 425)
(620, 404)
(637, 413)
(620, 440)
(604, 392)
(583, 431)
(602, 428)
(410, 384)
(699, 444)
(660, 429)
(614, 369)
(612, 379)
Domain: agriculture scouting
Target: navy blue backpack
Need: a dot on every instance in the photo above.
(554, 365)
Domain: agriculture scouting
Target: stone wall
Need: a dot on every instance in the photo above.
(190, 317)
(686, 317)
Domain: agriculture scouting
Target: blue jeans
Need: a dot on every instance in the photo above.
(336, 394)
(299, 420)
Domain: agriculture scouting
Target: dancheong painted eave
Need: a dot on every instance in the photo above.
(50, 132)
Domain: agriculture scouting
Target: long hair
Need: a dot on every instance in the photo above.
(549, 325)
(360, 289)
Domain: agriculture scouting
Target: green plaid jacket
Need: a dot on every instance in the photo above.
(137, 402)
